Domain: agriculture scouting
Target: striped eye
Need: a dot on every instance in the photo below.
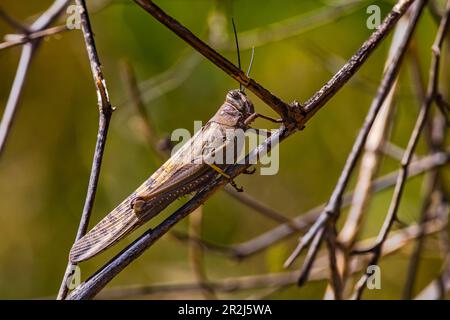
(236, 95)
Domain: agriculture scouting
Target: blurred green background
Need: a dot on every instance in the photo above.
(45, 167)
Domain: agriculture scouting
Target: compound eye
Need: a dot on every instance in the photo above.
(236, 95)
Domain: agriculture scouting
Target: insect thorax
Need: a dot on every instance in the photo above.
(235, 110)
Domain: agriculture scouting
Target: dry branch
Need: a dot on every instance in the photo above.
(28, 50)
(332, 210)
(105, 112)
(391, 217)
(396, 242)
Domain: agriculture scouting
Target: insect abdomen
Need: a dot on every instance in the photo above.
(124, 219)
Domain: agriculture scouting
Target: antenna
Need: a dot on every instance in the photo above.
(237, 49)
(251, 62)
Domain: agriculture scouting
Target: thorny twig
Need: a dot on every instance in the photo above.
(105, 112)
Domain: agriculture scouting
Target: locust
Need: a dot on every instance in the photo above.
(180, 175)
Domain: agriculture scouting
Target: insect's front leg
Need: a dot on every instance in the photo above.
(255, 115)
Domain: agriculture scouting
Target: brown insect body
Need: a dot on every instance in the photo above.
(178, 176)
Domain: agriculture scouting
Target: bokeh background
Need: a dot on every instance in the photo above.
(45, 167)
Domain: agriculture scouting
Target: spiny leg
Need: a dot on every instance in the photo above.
(230, 179)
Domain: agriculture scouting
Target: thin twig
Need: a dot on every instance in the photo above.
(396, 241)
(294, 112)
(227, 66)
(412, 143)
(21, 39)
(426, 213)
(336, 280)
(229, 285)
(261, 208)
(335, 201)
(394, 151)
(444, 108)
(47, 18)
(370, 161)
(105, 112)
(302, 221)
(197, 254)
(176, 74)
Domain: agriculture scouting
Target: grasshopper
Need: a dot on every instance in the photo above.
(178, 176)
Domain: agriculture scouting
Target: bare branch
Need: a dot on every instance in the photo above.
(197, 254)
(370, 161)
(420, 123)
(334, 204)
(21, 39)
(433, 186)
(261, 208)
(105, 112)
(227, 66)
(302, 221)
(396, 241)
(50, 15)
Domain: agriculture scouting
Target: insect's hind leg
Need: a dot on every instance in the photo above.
(230, 179)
